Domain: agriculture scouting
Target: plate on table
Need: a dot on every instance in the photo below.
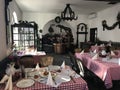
(46, 73)
(24, 83)
(62, 78)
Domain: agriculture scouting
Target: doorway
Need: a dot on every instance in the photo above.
(93, 34)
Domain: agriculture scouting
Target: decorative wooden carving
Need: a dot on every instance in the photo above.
(83, 28)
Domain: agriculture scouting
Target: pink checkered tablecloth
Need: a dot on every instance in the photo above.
(107, 71)
(79, 84)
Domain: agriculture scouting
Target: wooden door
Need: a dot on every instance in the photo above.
(93, 34)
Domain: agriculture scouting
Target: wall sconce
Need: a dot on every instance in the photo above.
(68, 14)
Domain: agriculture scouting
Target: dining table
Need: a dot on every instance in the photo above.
(36, 55)
(74, 83)
(106, 68)
(97, 48)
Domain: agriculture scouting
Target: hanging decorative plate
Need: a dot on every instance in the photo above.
(58, 19)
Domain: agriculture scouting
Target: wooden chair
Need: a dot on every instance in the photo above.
(81, 68)
(46, 61)
(74, 64)
(77, 65)
(27, 61)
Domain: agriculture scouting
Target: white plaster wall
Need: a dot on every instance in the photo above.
(109, 15)
(43, 18)
(92, 23)
(13, 8)
(81, 19)
(3, 47)
(40, 18)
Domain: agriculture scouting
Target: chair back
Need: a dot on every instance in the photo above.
(27, 61)
(74, 64)
(46, 61)
(81, 68)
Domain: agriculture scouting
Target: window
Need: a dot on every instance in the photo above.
(24, 35)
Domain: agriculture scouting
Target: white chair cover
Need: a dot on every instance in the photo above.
(81, 68)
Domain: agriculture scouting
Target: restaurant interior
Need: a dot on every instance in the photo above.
(59, 45)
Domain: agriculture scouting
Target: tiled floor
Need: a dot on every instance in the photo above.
(94, 83)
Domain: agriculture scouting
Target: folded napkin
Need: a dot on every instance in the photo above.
(82, 52)
(5, 78)
(95, 57)
(10, 69)
(9, 84)
(102, 45)
(50, 80)
(63, 65)
(37, 67)
(103, 52)
(95, 51)
(112, 53)
(96, 44)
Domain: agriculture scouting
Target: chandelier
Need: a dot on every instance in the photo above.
(68, 14)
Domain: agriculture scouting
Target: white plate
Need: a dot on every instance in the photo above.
(25, 83)
(45, 76)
